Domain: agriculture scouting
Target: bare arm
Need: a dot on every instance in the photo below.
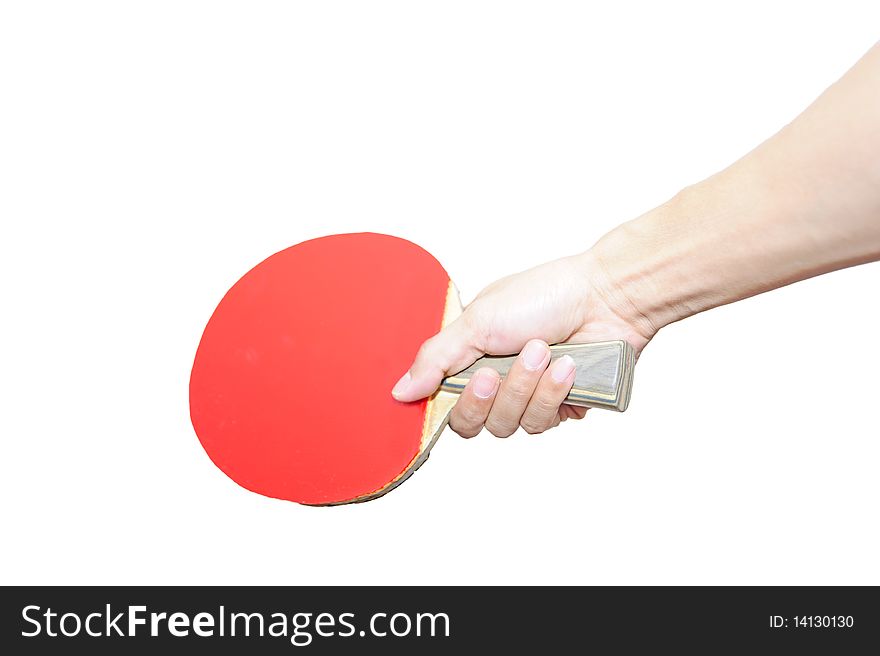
(805, 202)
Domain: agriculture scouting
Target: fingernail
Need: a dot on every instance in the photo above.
(484, 384)
(562, 369)
(533, 355)
(401, 385)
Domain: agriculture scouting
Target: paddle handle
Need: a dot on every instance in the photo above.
(603, 373)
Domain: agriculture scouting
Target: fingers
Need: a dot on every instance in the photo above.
(572, 412)
(447, 352)
(517, 388)
(472, 408)
(531, 395)
(544, 408)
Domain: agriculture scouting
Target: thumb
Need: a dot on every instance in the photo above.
(447, 352)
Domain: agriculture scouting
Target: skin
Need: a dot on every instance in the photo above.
(803, 203)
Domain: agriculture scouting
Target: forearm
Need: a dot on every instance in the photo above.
(805, 202)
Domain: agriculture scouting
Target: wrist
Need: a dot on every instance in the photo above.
(612, 301)
(631, 268)
(708, 245)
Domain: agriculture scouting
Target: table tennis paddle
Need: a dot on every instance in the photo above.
(290, 393)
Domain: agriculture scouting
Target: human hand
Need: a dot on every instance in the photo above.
(567, 300)
(803, 203)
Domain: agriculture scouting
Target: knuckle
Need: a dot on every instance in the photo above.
(474, 326)
(500, 428)
(533, 426)
(542, 405)
(466, 432)
(468, 416)
(518, 388)
(427, 349)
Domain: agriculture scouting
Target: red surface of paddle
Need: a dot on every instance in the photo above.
(290, 393)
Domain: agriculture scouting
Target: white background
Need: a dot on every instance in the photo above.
(151, 153)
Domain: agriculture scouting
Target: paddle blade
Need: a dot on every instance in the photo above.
(290, 393)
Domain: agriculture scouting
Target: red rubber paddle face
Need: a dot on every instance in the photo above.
(290, 393)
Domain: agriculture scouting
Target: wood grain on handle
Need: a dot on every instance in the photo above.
(603, 373)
